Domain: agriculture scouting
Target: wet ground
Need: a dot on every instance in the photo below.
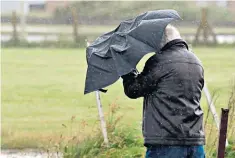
(28, 153)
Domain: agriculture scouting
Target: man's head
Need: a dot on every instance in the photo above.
(170, 33)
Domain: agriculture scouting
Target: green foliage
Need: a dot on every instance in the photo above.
(128, 9)
(230, 151)
(120, 139)
(211, 139)
(61, 43)
(93, 146)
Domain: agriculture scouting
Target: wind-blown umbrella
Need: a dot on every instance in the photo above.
(118, 52)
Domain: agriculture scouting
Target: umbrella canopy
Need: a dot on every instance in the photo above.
(118, 52)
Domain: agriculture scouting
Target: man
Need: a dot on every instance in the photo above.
(171, 84)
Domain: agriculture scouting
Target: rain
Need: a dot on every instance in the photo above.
(102, 78)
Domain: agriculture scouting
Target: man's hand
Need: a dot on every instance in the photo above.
(131, 75)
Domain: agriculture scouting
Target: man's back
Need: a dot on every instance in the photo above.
(171, 85)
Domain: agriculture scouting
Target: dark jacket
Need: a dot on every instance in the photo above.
(171, 84)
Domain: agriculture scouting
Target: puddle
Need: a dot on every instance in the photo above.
(29, 153)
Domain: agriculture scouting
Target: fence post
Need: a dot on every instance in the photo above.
(206, 28)
(14, 31)
(102, 120)
(222, 133)
(101, 115)
(211, 105)
(23, 35)
(75, 23)
(212, 108)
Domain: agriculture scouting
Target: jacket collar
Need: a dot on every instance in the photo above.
(174, 42)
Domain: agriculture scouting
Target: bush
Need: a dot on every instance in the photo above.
(122, 141)
(230, 151)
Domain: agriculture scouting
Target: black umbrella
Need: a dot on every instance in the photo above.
(118, 52)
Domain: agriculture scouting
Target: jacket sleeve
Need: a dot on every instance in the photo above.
(140, 85)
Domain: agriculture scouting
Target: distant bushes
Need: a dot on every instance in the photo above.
(81, 43)
(96, 11)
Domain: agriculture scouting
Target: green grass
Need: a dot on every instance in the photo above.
(63, 29)
(43, 88)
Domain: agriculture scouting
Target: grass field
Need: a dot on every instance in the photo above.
(43, 88)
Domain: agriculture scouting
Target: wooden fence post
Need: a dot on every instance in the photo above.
(101, 115)
(102, 120)
(75, 24)
(206, 28)
(222, 133)
(14, 25)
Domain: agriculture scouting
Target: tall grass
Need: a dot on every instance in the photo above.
(231, 125)
(124, 142)
(210, 129)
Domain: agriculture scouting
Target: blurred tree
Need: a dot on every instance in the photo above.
(113, 11)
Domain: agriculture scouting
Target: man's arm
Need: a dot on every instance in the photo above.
(136, 86)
